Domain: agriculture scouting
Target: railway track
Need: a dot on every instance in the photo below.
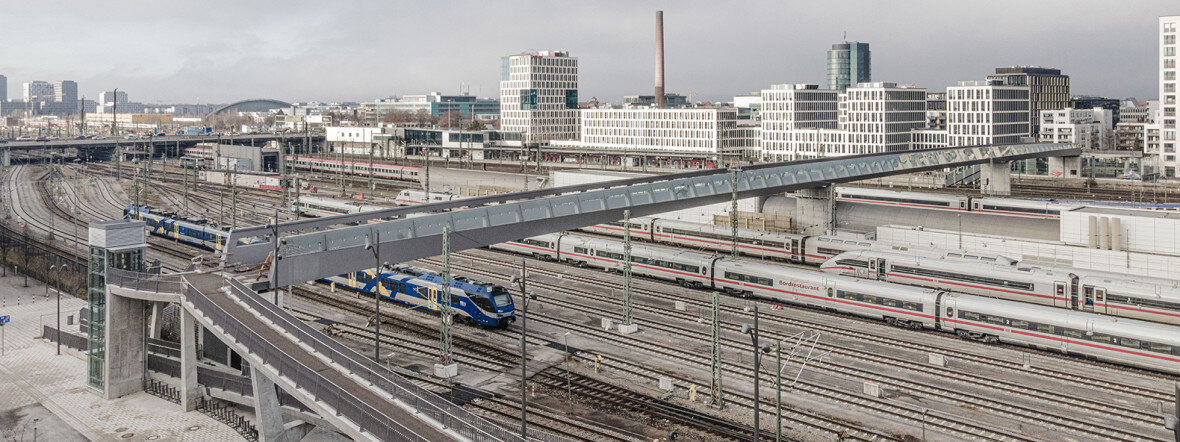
(1062, 419)
(422, 340)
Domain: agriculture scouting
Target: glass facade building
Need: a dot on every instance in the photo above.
(849, 64)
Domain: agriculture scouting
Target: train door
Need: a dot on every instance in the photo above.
(1099, 300)
(877, 266)
(352, 279)
(432, 299)
(1059, 289)
(938, 311)
(1073, 292)
(796, 250)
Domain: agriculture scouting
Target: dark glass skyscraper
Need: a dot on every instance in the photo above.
(848, 64)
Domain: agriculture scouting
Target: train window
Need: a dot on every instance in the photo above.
(1117, 298)
(870, 298)
(911, 306)
(1045, 328)
(1099, 337)
(1129, 342)
(969, 315)
(581, 250)
(954, 255)
(401, 287)
(1159, 348)
(890, 302)
(998, 320)
(950, 312)
(853, 262)
(1019, 323)
(827, 251)
(1073, 333)
(961, 277)
(748, 278)
(822, 239)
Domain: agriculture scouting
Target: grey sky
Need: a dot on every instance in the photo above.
(221, 51)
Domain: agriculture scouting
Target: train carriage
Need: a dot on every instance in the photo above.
(1123, 341)
(1019, 207)
(923, 200)
(320, 207)
(388, 171)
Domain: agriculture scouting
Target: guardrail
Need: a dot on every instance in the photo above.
(146, 282)
(70, 340)
(452, 416)
(324, 390)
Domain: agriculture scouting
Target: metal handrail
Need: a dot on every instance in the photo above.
(324, 390)
(457, 418)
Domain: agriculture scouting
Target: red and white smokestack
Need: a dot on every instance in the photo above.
(660, 59)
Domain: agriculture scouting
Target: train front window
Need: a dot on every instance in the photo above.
(482, 302)
(501, 297)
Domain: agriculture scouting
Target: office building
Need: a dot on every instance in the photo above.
(849, 64)
(436, 104)
(539, 96)
(987, 112)
(1132, 110)
(1090, 102)
(802, 121)
(112, 97)
(1087, 129)
(1128, 135)
(1167, 93)
(650, 129)
(3, 88)
(1048, 88)
(639, 101)
(66, 93)
(936, 110)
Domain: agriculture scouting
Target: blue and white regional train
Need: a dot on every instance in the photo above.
(168, 225)
(486, 304)
(1149, 299)
(1120, 340)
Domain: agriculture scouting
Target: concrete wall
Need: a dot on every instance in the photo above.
(125, 329)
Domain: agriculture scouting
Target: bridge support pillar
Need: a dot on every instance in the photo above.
(189, 392)
(6, 158)
(815, 211)
(157, 324)
(1065, 167)
(126, 327)
(266, 408)
(996, 178)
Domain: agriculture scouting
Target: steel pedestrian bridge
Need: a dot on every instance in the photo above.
(318, 253)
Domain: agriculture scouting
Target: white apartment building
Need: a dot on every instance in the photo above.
(1088, 129)
(986, 112)
(539, 96)
(351, 140)
(928, 138)
(803, 121)
(1167, 91)
(675, 130)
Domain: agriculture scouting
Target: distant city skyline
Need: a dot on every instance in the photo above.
(219, 52)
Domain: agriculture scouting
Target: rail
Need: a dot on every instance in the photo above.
(146, 282)
(363, 415)
(452, 416)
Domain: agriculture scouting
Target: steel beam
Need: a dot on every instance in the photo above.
(321, 254)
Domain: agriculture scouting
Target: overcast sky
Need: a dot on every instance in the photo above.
(222, 51)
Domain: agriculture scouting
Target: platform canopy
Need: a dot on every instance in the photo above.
(495, 219)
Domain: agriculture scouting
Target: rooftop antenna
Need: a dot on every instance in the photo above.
(845, 35)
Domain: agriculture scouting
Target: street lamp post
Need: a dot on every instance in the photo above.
(525, 297)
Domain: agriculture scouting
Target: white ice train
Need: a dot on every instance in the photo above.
(389, 171)
(788, 247)
(956, 203)
(1149, 299)
(1119, 340)
(320, 207)
(413, 197)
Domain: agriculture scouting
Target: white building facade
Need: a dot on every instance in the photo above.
(539, 96)
(1167, 94)
(1088, 129)
(676, 130)
(986, 112)
(803, 121)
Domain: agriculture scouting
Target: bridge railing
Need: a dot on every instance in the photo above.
(147, 282)
(324, 390)
(452, 416)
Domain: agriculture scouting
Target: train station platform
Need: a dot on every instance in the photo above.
(358, 397)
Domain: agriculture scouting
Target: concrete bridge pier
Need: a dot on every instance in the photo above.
(996, 178)
(815, 210)
(266, 408)
(1065, 167)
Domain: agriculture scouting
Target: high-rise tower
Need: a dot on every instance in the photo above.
(848, 65)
